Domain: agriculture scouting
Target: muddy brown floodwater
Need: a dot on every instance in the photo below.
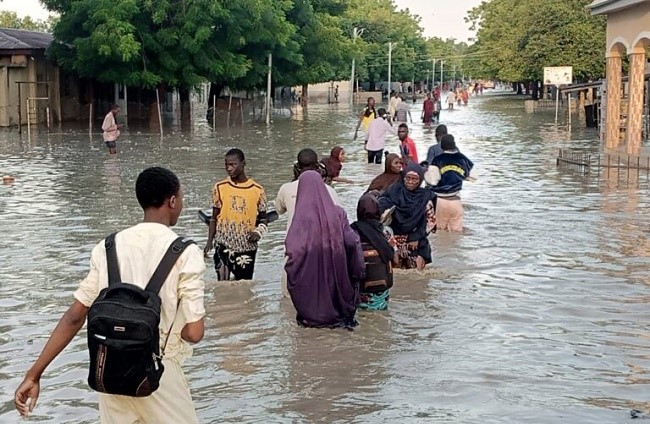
(538, 313)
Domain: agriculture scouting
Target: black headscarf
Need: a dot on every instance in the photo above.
(410, 211)
(370, 229)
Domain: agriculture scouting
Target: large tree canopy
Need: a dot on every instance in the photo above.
(145, 43)
(384, 24)
(181, 44)
(516, 39)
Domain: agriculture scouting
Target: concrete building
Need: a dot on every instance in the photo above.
(628, 34)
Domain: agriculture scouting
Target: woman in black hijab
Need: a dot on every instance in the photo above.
(412, 205)
(377, 252)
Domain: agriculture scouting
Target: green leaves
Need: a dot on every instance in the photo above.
(181, 43)
(9, 19)
(519, 38)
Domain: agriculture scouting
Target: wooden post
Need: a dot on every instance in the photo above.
(29, 120)
(229, 107)
(214, 113)
(20, 114)
(557, 101)
(159, 113)
(90, 118)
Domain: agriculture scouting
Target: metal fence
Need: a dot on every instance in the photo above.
(627, 166)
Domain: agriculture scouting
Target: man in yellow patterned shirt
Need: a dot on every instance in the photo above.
(238, 220)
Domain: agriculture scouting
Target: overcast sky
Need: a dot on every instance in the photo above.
(440, 18)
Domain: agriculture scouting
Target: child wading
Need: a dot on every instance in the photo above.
(238, 220)
(111, 129)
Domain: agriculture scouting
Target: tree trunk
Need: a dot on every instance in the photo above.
(519, 90)
(305, 95)
(215, 91)
(186, 109)
(535, 91)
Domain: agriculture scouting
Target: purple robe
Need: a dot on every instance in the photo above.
(324, 258)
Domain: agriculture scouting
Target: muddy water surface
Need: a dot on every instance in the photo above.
(539, 313)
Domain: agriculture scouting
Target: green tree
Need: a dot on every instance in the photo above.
(308, 47)
(385, 24)
(146, 44)
(324, 47)
(454, 55)
(516, 39)
(9, 19)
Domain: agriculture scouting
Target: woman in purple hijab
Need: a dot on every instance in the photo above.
(324, 258)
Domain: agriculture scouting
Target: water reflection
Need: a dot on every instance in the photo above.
(538, 312)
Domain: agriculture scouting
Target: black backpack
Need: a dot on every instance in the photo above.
(123, 333)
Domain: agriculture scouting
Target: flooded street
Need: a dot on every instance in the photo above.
(538, 313)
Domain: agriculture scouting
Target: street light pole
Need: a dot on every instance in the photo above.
(356, 32)
(390, 58)
(433, 73)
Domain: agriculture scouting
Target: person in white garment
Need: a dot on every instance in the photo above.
(139, 250)
(111, 129)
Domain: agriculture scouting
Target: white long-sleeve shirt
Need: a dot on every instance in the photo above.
(376, 134)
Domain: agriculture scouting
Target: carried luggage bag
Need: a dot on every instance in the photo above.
(379, 275)
(123, 328)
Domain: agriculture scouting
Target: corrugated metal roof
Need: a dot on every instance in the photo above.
(18, 39)
(603, 7)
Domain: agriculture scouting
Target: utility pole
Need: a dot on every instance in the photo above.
(268, 92)
(356, 32)
(433, 73)
(390, 58)
(442, 79)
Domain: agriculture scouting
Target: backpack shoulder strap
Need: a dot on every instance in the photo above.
(166, 264)
(111, 260)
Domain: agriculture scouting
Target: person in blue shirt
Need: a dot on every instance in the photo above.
(446, 174)
(435, 149)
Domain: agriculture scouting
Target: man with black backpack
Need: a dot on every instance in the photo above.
(143, 297)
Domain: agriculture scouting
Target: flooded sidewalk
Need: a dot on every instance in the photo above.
(538, 313)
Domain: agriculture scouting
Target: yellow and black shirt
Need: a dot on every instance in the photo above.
(240, 205)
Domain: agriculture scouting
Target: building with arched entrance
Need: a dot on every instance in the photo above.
(628, 35)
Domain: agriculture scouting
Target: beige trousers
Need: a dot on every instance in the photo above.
(449, 215)
(170, 404)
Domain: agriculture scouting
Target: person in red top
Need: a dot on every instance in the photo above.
(407, 146)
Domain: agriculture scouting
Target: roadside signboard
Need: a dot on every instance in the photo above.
(558, 75)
